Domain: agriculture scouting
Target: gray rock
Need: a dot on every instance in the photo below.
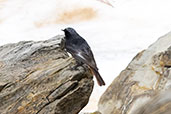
(36, 78)
(159, 104)
(147, 74)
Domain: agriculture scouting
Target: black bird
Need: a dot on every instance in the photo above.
(81, 51)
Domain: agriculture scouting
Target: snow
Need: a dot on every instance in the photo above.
(116, 34)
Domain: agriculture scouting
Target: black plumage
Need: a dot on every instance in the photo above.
(81, 51)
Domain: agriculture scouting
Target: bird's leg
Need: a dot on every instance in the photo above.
(77, 65)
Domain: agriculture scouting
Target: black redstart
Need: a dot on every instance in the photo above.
(81, 51)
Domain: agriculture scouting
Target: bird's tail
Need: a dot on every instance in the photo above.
(99, 79)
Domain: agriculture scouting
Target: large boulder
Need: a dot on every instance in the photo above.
(147, 76)
(37, 78)
(159, 104)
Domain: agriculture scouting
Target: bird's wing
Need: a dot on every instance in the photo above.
(88, 55)
(84, 54)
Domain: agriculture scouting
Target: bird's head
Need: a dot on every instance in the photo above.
(69, 32)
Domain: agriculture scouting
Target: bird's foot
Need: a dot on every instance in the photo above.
(73, 68)
(77, 66)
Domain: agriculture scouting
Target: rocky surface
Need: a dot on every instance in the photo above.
(36, 78)
(148, 75)
(160, 104)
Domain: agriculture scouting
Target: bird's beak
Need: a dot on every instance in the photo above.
(62, 29)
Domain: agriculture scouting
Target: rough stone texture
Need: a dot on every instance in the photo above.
(147, 74)
(160, 104)
(36, 78)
